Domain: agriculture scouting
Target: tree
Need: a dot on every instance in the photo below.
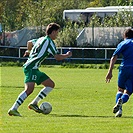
(11, 15)
(16, 14)
(67, 37)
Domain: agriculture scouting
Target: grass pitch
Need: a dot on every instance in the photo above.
(82, 103)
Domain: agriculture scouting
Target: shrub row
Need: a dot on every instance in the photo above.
(64, 65)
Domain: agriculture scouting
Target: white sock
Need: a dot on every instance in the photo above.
(22, 96)
(42, 94)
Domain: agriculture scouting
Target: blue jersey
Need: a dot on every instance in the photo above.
(126, 49)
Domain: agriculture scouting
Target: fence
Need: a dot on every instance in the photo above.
(79, 54)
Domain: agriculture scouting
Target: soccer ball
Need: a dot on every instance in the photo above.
(46, 107)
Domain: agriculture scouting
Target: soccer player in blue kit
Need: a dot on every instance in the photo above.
(125, 75)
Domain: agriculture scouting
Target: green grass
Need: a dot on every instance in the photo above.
(82, 103)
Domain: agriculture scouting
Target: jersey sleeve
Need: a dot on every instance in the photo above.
(33, 41)
(119, 49)
(52, 48)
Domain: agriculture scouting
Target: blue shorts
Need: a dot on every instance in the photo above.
(125, 78)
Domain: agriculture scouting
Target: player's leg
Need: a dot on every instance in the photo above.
(124, 98)
(48, 87)
(119, 94)
(121, 87)
(118, 100)
(125, 81)
(118, 107)
(128, 91)
(29, 87)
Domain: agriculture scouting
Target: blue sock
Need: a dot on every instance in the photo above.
(125, 98)
(118, 95)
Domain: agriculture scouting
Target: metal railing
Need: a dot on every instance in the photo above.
(101, 54)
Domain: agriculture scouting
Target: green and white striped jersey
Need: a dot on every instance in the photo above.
(33, 41)
(41, 49)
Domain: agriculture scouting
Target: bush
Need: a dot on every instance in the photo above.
(67, 37)
(64, 65)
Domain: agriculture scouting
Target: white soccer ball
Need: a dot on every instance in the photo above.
(46, 107)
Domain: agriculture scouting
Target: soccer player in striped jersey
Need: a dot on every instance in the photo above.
(125, 76)
(30, 44)
(40, 50)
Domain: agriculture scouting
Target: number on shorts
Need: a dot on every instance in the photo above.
(34, 77)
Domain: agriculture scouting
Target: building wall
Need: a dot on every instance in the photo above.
(100, 36)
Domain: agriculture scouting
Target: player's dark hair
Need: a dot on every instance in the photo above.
(51, 27)
(128, 33)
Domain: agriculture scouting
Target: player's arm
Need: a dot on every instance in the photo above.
(109, 74)
(29, 47)
(63, 56)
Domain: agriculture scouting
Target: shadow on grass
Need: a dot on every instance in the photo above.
(6, 86)
(86, 116)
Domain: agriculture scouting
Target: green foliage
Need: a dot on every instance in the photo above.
(13, 17)
(121, 19)
(90, 66)
(102, 3)
(63, 65)
(9, 63)
(67, 37)
(15, 14)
